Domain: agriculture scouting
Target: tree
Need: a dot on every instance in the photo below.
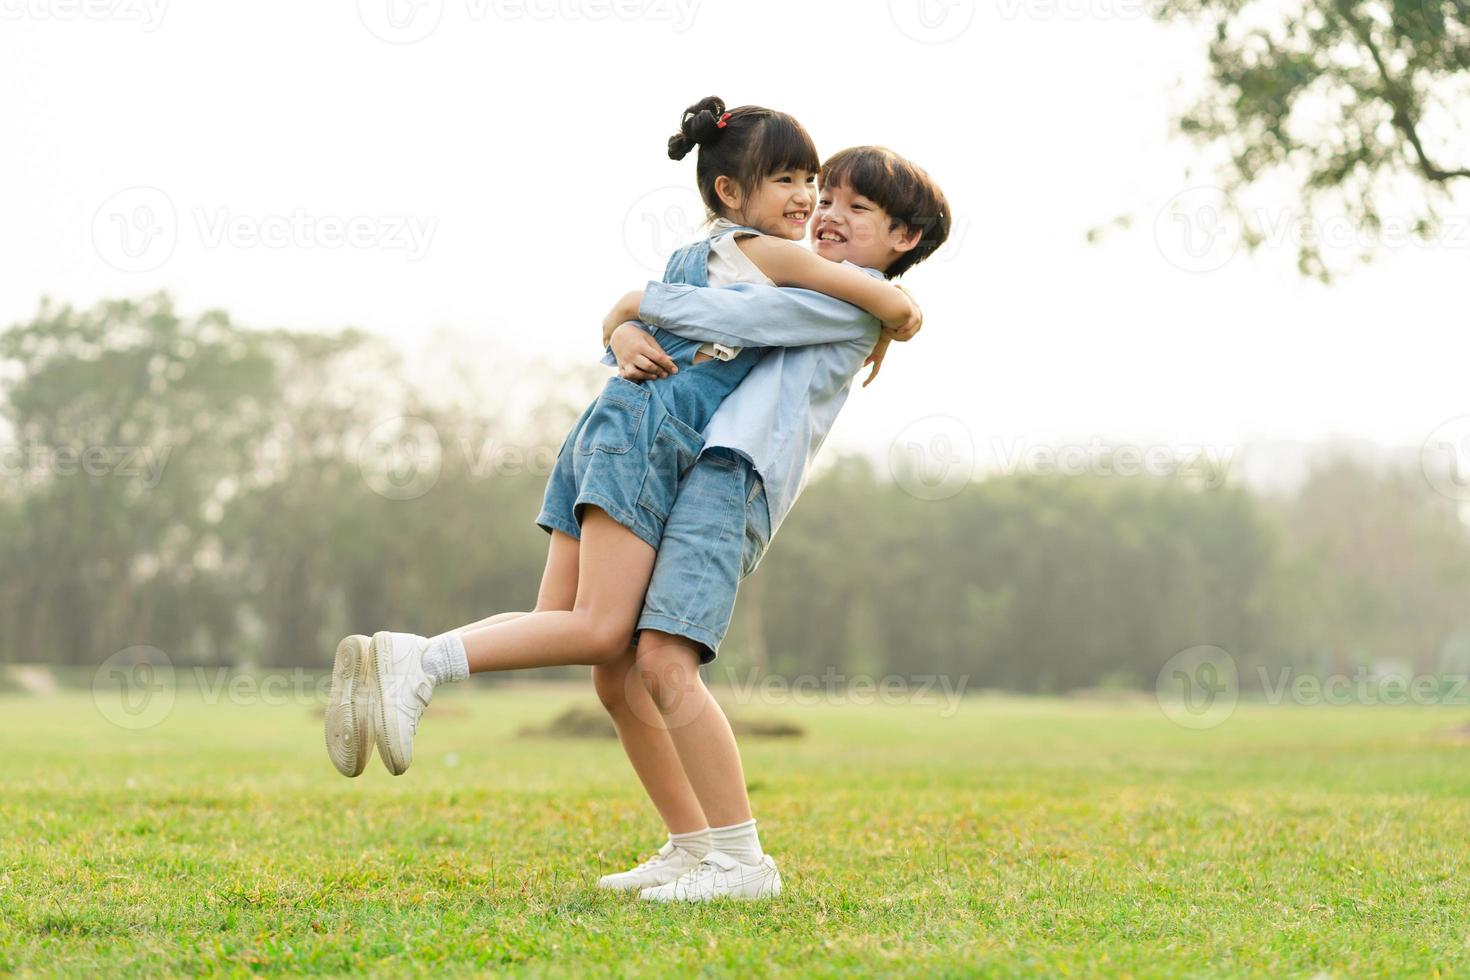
(124, 417)
(1357, 102)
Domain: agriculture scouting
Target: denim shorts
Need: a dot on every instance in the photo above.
(715, 536)
(626, 454)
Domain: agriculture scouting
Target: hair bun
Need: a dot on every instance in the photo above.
(700, 124)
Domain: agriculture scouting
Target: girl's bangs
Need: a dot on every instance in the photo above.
(783, 145)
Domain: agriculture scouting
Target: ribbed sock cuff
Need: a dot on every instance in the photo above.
(739, 840)
(445, 659)
(695, 842)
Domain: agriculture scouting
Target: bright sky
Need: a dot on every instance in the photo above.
(497, 167)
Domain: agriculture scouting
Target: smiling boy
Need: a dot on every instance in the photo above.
(885, 215)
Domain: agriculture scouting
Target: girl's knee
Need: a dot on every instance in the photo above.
(600, 641)
(606, 647)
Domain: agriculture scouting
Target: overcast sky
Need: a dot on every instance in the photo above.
(497, 167)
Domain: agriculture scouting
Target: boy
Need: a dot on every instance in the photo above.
(884, 214)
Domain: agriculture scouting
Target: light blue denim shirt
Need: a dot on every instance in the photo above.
(780, 414)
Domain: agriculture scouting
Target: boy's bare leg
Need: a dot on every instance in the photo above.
(696, 725)
(735, 866)
(648, 746)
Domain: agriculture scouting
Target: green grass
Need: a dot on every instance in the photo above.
(1016, 837)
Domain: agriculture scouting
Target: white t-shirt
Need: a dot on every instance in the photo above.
(727, 266)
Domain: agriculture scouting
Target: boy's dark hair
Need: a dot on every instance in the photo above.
(901, 188)
(753, 143)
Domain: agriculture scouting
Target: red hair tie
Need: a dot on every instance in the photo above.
(724, 121)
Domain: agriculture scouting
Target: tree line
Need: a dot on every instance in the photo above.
(245, 497)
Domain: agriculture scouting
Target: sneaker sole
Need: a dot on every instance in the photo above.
(770, 889)
(613, 886)
(388, 749)
(610, 883)
(347, 728)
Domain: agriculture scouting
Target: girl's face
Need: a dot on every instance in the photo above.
(781, 204)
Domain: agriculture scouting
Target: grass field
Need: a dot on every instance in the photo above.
(1017, 837)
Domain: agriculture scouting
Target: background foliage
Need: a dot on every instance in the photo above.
(289, 502)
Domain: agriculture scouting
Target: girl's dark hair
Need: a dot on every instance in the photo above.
(753, 143)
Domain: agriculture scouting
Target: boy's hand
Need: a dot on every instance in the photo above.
(624, 310)
(880, 349)
(905, 332)
(640, 358)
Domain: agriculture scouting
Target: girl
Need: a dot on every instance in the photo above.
(617, 473)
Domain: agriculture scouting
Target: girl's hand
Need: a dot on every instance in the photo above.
(640, 358)
(905, 332)
(880, 350)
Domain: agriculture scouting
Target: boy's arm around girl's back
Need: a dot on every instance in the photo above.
(752, 315)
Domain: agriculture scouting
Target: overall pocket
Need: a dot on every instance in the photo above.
(674, 451)
(612, 425)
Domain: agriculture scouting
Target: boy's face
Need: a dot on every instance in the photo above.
(849, 227)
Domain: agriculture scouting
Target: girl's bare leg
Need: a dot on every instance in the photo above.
(638, 723)
(613, 568)
(504, 617)
(640, 728)
(558, 582)
(668, 666)
(647, 743)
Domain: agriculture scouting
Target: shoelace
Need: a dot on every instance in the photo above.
(658, 858)
(705, 869)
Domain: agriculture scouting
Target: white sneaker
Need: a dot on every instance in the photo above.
(668, 864)
(401, 690)
(349, 729)
(720, 876)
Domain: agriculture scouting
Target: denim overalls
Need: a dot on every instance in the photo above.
(630, 448)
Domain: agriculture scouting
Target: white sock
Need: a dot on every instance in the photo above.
(739, 840)
(695, 843)
(444, 658)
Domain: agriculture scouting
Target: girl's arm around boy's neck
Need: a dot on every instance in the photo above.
(789, 264)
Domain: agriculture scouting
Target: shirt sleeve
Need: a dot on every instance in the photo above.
(752, 315)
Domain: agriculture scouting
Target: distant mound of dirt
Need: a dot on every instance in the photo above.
(583, 721)
(1110, 695)
(36, 679)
